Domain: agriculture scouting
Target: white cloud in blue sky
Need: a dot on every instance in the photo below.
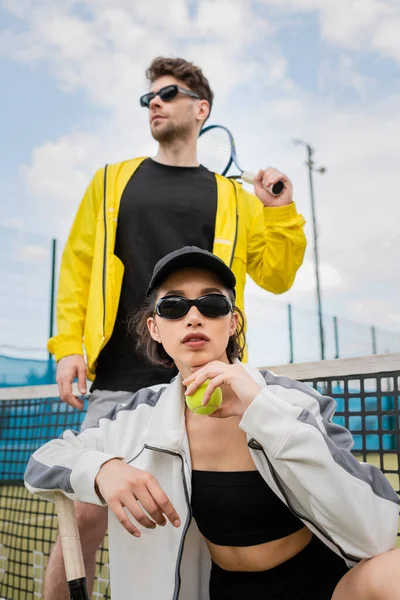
(327, 72)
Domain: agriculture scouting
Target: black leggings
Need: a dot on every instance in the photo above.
(310, 575)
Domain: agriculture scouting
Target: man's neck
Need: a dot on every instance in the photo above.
(177, 154)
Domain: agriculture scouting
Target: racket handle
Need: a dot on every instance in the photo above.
(248, 177)
(70, 542)
(78, 589)
(276, 189)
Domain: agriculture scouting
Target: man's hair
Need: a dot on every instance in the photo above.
(154, 352)
(184, 71)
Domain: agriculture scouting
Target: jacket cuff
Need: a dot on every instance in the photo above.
(84, 473)
(60, 350)
(280, 213)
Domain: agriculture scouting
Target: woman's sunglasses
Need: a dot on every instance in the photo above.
(176, 307)
(166, 94)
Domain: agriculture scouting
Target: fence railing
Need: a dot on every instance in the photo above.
(277, 332)
(367, 391)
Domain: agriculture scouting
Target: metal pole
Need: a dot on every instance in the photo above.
(52, 295)
(290, 333)
(319, 301)
(373, 335)
(336, 332)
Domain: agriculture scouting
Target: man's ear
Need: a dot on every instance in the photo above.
(204, 111)
(153, 329)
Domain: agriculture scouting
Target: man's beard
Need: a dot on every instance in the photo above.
(170, 133)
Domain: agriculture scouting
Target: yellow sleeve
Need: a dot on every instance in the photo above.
(275, 243)
(75, 271)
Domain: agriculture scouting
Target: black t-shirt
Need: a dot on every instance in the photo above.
(162, 209)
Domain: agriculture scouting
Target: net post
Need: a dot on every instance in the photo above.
(336, 333)
(52, 302)
(291, 359)
(373, 336)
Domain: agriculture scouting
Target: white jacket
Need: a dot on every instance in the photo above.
(301, 454)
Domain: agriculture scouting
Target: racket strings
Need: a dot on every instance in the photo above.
(214, 150)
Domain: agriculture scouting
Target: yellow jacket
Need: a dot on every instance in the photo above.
(267, 243)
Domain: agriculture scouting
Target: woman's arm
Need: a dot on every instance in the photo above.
(70, 464)
(90, 467)
(352, 501)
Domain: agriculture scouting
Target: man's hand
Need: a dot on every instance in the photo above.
(68, 368)
(267, 177)
(123, 486)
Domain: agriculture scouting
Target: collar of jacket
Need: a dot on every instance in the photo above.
(167, 428)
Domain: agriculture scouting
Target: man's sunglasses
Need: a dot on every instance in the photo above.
(176, 307)
(166, 94)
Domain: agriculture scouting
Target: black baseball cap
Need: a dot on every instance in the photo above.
(191, 256)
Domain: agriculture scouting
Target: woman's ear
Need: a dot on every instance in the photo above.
(153, 329)
(234, 323)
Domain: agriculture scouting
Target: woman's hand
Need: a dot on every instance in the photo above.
(123, 486)
(243, 386)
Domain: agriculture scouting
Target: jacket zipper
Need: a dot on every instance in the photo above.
(105, 251)
(256, 446)
(236, 228)
(188, 520)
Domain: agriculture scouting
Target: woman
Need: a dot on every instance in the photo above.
(281, 508)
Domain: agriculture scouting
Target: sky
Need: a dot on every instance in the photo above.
(323, 72)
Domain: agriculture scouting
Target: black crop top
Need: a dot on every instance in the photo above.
(239, 509)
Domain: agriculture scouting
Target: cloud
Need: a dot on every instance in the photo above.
(365, 25)
(106, 56)
(332, 79)
(105, 50)
(15, 223)
(59, 174)
(330, 278)
(32, 253)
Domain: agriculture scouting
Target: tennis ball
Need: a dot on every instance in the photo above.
(194, 401)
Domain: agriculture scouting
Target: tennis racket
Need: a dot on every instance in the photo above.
(71, 547)
(216, 151)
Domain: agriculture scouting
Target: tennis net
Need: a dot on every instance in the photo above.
(367, 391)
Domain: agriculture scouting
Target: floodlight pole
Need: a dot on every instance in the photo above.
(310, 164)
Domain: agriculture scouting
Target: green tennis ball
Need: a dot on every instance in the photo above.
(194, 401)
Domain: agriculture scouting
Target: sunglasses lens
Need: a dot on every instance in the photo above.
(173, 308)
(146, 99)
(214, 306)
(169, 92)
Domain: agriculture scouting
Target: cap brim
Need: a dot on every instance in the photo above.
(195, 260)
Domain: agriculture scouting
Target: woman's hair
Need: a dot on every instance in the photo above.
(154, 351)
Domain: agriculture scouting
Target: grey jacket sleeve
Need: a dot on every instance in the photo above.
(69, 465)
(353, 502)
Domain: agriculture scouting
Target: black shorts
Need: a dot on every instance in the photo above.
(310, 575)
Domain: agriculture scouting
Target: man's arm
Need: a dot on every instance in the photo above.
(275, 234)
(73, 287)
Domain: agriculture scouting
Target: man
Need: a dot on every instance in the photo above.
(116, 240)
